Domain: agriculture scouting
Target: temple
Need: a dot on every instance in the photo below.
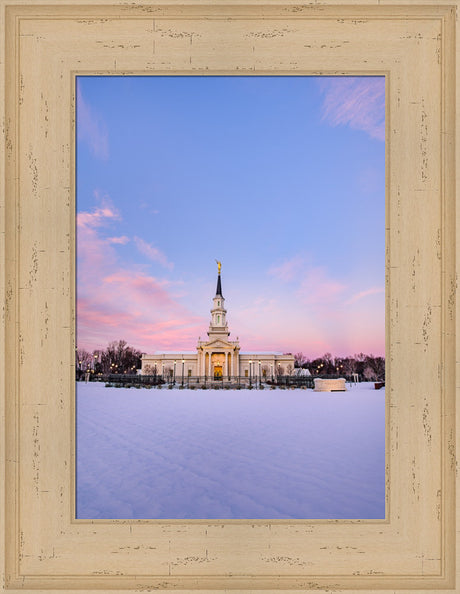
(218, 358)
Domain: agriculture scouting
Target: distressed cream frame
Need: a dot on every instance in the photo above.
(45, 45)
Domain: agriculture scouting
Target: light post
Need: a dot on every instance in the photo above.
(183, 361)
(250, 371)
(174, 375)
(260, 379)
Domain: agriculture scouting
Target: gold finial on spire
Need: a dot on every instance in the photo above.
(219, 266)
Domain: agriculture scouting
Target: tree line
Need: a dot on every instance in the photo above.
(117, 357)
(367, 367)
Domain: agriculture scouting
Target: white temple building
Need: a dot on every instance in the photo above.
(218, 357)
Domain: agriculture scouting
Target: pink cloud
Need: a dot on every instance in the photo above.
(314, 284)
(358, 102)
(363, 294)
(153, 253)
(116, 302)
(91, 128)
(310, 315)
(289, 269)
(122, 240)
(96, 218)
(317, 288)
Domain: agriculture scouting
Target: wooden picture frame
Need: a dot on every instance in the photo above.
(45, 46)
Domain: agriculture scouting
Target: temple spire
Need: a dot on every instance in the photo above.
(218, 327)
(219, 285)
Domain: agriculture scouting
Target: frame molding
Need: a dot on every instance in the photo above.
(412, 43)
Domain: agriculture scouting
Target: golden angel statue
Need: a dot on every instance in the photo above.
(219, 266)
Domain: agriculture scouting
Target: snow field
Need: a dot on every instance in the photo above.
(227, 454)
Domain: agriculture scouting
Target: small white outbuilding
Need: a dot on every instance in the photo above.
(330, 385)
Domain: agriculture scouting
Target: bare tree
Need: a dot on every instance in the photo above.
(118, 357)
(83, 360)
(369, 374)
(299, 360)
(349, 365)
(377, 364)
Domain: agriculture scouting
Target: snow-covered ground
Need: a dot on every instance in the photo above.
(230, 454)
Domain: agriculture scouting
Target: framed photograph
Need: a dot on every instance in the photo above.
(246, 387)
(46, 48)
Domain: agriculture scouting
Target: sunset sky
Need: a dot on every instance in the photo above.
(281, 178)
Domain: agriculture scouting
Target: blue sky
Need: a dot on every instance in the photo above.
(280, 178)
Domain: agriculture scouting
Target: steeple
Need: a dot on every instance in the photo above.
(218, 326)
(219, 287)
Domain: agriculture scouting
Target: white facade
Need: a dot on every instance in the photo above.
(218, 357)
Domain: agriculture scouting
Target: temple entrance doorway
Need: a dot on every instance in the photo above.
(217, 361)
